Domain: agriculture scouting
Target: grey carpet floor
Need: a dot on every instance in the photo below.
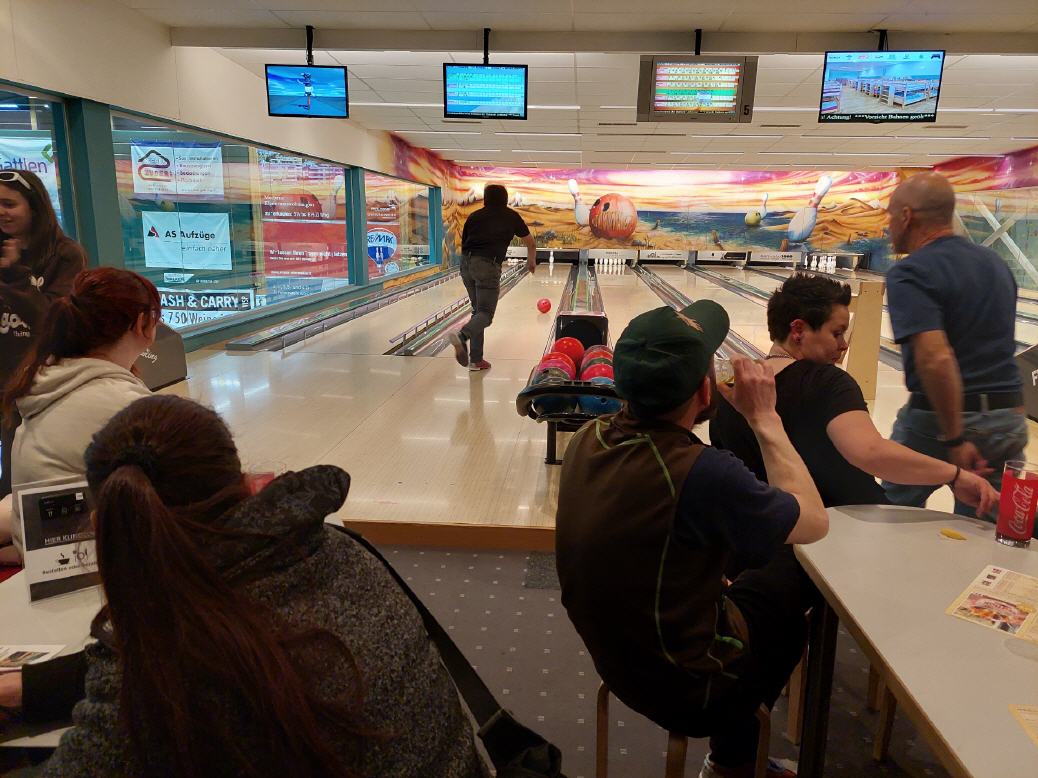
(504, 612)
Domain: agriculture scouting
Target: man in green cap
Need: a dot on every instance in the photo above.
(651, 521)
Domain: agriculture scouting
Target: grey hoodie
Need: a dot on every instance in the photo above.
(69, 402)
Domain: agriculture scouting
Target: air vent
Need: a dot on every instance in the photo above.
(618, 124)
(774, 126)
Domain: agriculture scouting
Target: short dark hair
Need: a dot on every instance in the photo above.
(807, 297)
(495, 195)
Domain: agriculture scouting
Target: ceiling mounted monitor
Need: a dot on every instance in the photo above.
(484, 91)
(307, 90)
(881, 86)
(696, 88)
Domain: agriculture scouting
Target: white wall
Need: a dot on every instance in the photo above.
(105, 51)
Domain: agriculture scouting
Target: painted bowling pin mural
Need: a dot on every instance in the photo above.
(581, 211)
(803, 222)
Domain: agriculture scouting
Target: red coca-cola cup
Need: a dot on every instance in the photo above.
(1018, 503)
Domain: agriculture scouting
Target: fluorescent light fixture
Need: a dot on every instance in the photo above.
(554, 107)
(773, 108)
(871, 154)
(439, 132)
(1017, 110)
(546, 151)
(398, 105)
(696, 153)
(478, 151)
(966, 154)
(851, 137)
(800, 153)
(735, 137)
(1023, 139)
(936, 137)
(474, 161)
(617, 107)
(543, 134)
(966, 110)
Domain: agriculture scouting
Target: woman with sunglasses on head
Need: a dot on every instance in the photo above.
(37, 265)
(77, 375)
(243, 635)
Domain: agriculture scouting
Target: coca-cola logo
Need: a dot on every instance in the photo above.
(1022, 498)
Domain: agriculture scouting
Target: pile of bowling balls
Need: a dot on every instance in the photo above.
(569, 361)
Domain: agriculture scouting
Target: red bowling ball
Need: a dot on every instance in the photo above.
(565, 364)
(596, 371)
(544, 305)
(560, 355)
(613, 216)
(571, 347)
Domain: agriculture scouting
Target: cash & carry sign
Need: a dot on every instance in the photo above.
(182, 307)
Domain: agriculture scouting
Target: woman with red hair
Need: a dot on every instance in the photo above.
(77, 376)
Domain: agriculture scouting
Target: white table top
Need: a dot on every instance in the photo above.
(63, 620)
(890, 571)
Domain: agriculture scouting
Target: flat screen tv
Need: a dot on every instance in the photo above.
(307, 90)
(674, 88)
(484, 91)
(881, 86)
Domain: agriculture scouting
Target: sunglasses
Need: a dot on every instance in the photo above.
(7, 176)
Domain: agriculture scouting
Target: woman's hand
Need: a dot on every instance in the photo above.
(976, 492)
(11, 253)
(10, 693)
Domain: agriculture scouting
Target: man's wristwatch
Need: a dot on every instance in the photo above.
(955, 442)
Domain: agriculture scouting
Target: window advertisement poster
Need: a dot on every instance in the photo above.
(383, 232)
(177, 169)
(304, 217)
(35, 154)
(185, 307)
(186, 241)
(56, 536)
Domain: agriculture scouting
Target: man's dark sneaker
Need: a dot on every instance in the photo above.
(461, 348)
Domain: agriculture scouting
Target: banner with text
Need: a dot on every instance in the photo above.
(177, 169)
(182, 307)
(35, 154)
(186, 241)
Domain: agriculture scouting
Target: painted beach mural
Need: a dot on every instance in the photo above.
(704, 210)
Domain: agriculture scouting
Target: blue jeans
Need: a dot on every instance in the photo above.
(1000, 435)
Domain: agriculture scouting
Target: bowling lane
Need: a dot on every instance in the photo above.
(624, 296)
(370, 333)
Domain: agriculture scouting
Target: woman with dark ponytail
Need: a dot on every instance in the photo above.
(37, 265)
(243, 636)
(77, 375)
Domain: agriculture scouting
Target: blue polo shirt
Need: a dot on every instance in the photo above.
(969, 292)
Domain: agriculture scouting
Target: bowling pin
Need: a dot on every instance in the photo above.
(764, 206)
(803, 221)
(814, 263)
(551, 257)
(581, 211)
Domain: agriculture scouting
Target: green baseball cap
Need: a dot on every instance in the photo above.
(663, 356)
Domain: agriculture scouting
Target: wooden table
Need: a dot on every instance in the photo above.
(889, 575)
(61, 620)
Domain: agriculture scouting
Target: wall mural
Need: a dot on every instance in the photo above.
(732, 210)
(706, 210)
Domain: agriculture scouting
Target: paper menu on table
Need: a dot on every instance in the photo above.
(1027, 716)
(1001, 599)
(15, 657)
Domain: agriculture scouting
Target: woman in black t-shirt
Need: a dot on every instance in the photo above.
(824, 411)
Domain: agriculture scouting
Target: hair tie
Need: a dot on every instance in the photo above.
(138, 455)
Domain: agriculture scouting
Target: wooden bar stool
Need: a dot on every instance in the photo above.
(677, 744)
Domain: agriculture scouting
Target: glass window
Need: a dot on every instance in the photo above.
(223, 227)
(28, 141)
(398, 225)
